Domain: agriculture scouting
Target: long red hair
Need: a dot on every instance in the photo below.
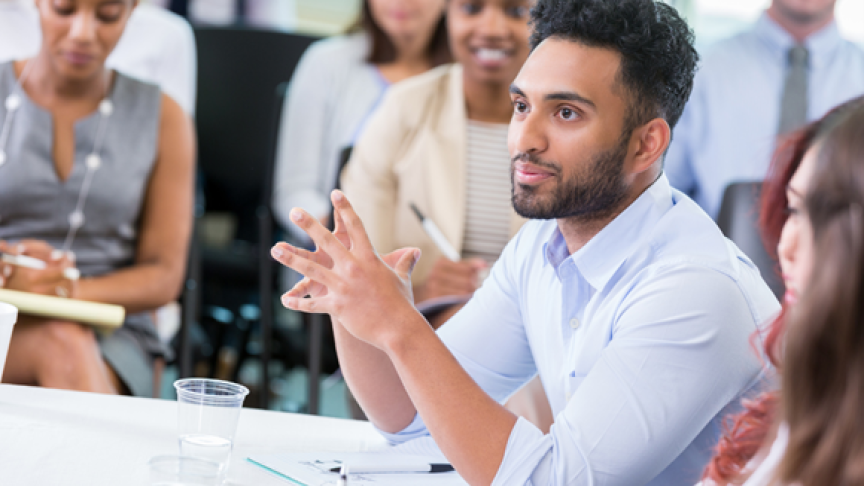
(745, 433)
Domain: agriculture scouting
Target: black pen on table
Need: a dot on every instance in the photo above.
(394, 468)
(343, 475)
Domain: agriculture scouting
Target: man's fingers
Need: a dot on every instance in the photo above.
(340, 231)
(302, 265)
(311, 306)
(322, 237)
(353, 225)
(301, 288)
(405, 264)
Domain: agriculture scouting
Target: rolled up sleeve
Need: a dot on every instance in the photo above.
(670, 368)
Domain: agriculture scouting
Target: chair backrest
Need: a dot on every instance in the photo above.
(344, 157)
(239, 71)
(739, 221)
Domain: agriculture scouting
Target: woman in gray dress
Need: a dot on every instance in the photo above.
(96, 171)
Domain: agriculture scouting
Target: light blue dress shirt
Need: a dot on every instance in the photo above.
(641, 339)
(729, 127)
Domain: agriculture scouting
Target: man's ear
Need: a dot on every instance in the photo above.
(649, 143)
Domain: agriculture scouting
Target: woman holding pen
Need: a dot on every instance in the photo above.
(439, 142)
(96, 173)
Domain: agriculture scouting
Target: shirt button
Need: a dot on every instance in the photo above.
(574, 323)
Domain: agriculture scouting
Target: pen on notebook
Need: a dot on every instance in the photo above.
(436, 235)
(420, 467)
(343, 476)
(36, 264)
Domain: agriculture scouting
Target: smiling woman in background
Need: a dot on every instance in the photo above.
(337, 85)
(97, 171)
(439, 141)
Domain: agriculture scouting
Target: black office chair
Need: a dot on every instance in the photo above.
(739, 221)
(239, 71)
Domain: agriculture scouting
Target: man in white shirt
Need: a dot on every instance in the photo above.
(621, 293)
(791, 67)
(157, 46)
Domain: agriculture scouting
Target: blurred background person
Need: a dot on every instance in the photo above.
(100, 166)
(797, 163)
(337, 85)
(439, 141)
(156, 46)
(791, 67)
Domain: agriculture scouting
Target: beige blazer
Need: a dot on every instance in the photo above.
(414, 150)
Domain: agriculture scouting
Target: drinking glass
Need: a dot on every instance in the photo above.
(207, 417)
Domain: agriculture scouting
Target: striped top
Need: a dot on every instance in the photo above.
(487, 219)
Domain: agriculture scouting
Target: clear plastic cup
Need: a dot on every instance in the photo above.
(207, 417)
(170, 470)
(8, 316)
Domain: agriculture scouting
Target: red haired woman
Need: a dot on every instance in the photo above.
(820, 438)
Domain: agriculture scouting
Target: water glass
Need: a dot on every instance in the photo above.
(207, 417)
(172, 470)
(8, 316)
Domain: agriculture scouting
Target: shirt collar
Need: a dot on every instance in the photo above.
(821, 44)
(601, 257)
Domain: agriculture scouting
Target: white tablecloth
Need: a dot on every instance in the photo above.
(53, 437)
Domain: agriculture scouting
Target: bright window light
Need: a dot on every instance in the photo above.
(714, 20)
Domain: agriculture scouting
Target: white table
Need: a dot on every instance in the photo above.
(54, 437)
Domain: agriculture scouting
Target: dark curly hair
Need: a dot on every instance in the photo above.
(658, 60)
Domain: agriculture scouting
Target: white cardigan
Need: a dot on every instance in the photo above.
(332, 93)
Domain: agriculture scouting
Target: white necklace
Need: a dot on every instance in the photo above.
(93, 161)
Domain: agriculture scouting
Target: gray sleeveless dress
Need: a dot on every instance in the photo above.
(35, 203)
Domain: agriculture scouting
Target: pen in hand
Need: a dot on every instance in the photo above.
(36, 264)
(437, 236)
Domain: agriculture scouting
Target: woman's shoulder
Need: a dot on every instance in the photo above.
(435, 83)
(136, 94)
(338, 50)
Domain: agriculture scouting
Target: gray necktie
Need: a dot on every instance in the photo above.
(793, 104)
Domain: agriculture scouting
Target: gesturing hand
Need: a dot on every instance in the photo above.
(345, 278)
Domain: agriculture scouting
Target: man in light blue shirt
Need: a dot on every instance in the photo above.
(622, 294)
(730, 126)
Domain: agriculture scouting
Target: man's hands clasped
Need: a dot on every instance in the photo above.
(347, 279)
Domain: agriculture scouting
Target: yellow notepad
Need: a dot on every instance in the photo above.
(106, 317)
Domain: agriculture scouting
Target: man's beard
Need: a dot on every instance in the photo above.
(588, 195)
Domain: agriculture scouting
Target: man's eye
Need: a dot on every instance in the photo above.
(520, 106)
(568, 114)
